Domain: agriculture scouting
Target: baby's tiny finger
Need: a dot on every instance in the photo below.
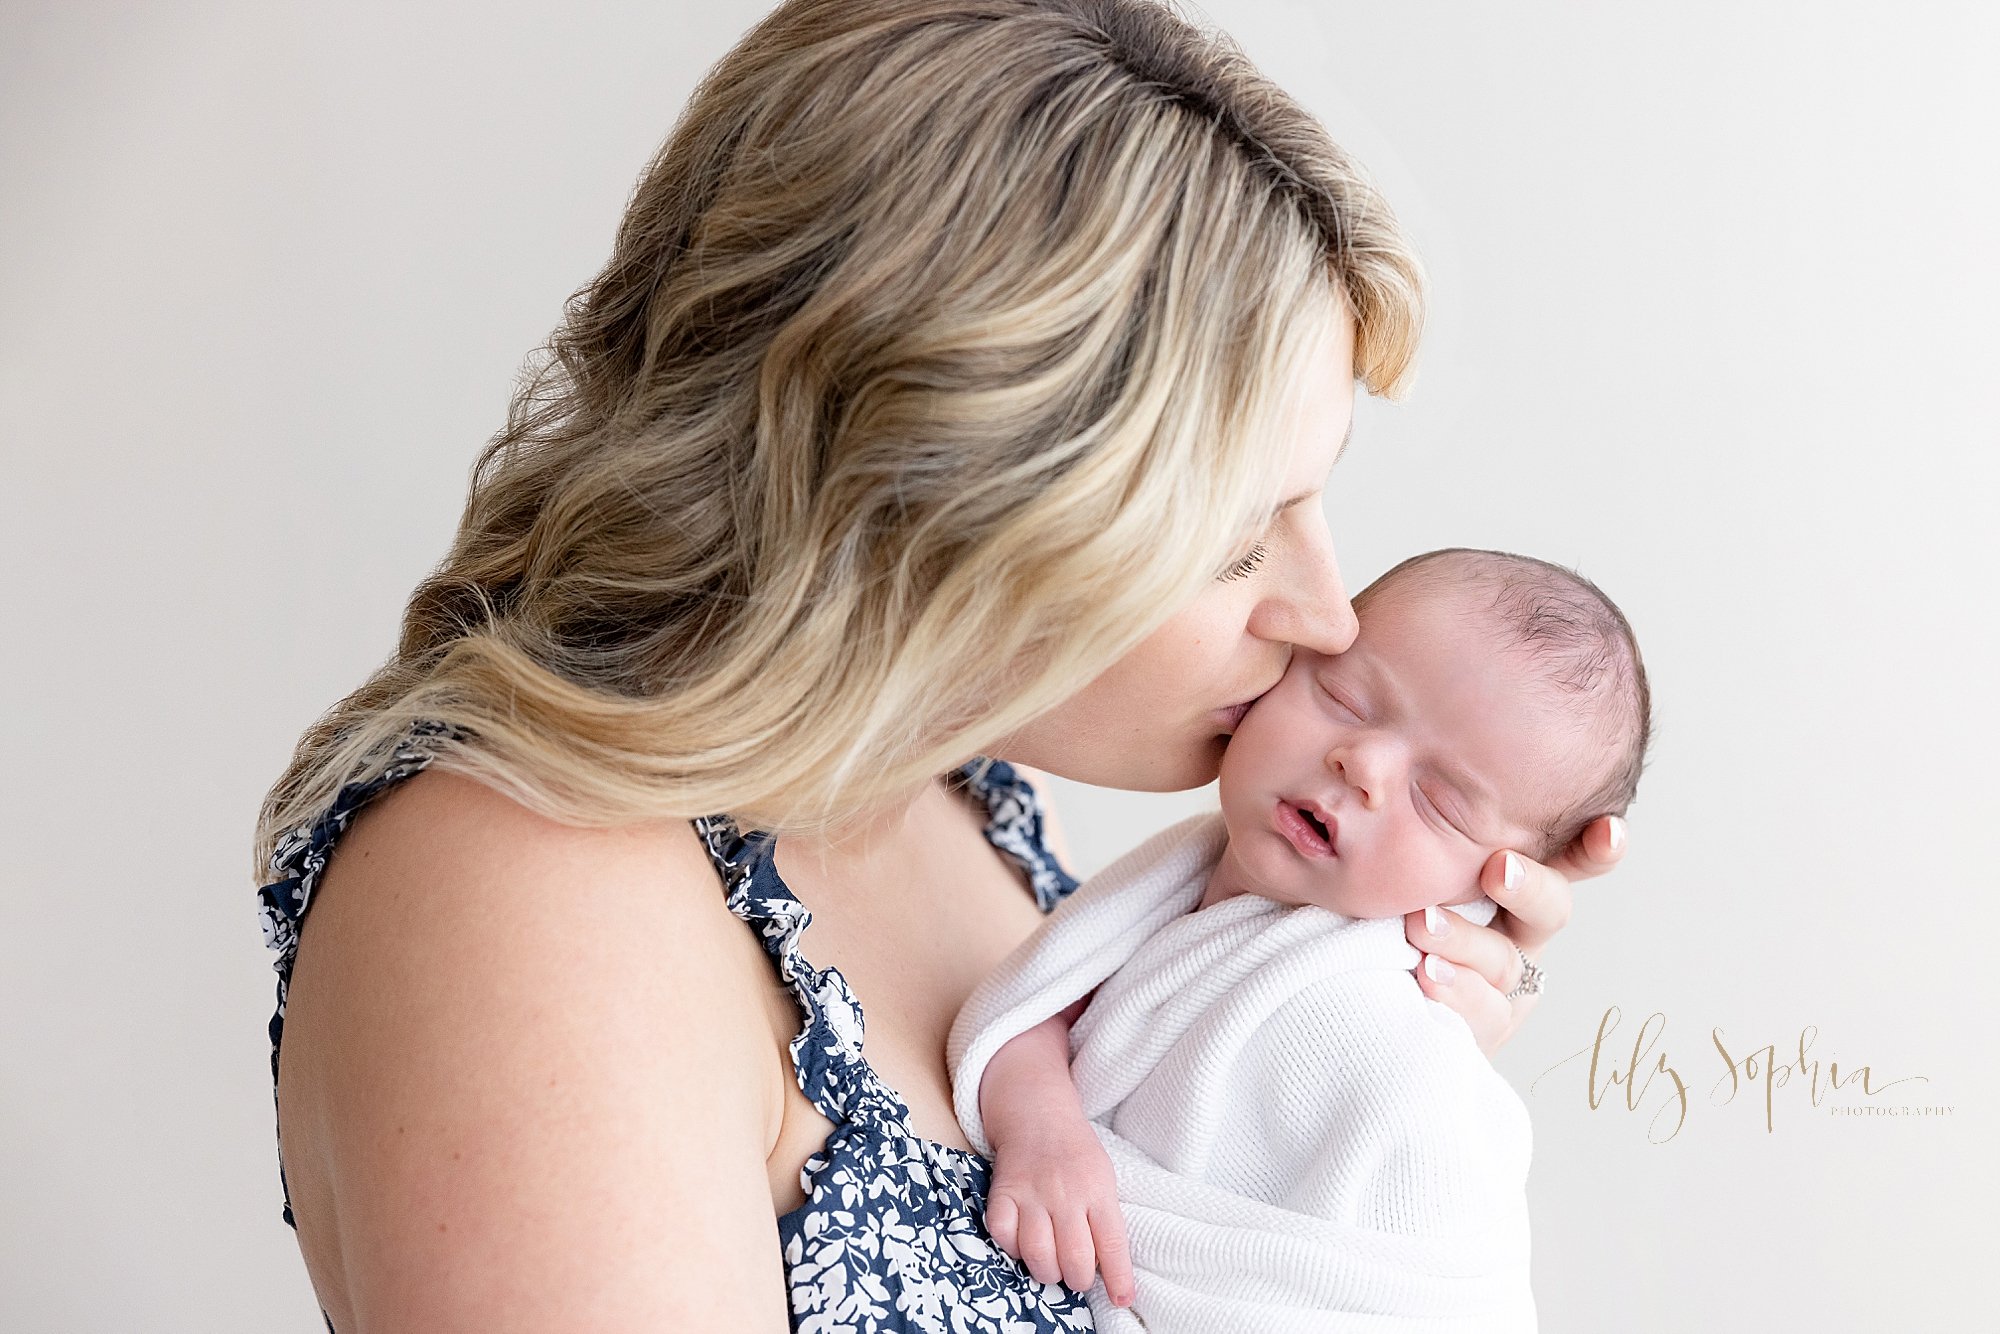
(1114, 1258)
(1038, 1245)
(1003, 1219)
(1075, 1251)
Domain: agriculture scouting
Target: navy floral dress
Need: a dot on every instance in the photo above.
(891, 1236)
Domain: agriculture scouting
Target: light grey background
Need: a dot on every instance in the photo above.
(1714, 319)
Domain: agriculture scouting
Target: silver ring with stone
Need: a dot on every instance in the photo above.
(1531, 977)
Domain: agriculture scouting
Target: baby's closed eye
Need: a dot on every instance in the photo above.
(1437, 811)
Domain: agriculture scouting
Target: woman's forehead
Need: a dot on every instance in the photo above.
(1321, 418)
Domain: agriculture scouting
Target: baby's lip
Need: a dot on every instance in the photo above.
(1322, 812)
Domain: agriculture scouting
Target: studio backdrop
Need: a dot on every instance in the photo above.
(1714, 295)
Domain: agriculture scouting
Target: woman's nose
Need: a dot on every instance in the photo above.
(1308, 604)
(1335, 627)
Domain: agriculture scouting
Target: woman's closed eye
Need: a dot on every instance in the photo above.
(1247, 564)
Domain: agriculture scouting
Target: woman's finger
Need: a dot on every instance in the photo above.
(1594, 851)
(1463, 944)
(1470, 967)
(1534, 899)
(1491, 1019)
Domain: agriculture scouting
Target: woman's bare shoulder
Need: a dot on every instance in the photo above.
(528, 1078)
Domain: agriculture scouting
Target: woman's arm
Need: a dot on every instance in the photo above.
(527, 1081)
(1535, 900)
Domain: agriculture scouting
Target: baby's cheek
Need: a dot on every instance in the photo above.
(1383, 886)
(1427, 876)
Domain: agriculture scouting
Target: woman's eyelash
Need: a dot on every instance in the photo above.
(1247, 564)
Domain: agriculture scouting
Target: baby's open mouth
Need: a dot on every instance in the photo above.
(1302, 825)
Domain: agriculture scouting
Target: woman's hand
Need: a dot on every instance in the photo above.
(1470, 967)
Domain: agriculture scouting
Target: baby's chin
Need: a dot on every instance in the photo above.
(1363, 906)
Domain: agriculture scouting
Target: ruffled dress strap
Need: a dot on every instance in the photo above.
(1016, 826)
(827, 1052)
(890, 1237)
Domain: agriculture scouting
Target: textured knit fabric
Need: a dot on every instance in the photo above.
(892, 1235)
(1303, 1139)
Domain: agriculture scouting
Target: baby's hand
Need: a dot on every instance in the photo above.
(1054, 1206)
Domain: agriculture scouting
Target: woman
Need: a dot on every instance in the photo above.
(963, 383)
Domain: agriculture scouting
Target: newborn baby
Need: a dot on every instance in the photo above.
(1299, 1138)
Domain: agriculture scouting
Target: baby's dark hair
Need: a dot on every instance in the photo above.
(1584, 646)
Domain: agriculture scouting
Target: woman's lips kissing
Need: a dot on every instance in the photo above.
(1312, 832)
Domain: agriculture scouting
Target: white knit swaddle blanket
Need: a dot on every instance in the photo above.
(1304, 1141)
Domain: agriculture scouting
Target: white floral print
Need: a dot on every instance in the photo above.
(891, 1237)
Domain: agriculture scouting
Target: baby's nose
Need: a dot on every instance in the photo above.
(1367, 791)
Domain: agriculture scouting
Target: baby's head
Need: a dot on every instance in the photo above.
(1490, 701)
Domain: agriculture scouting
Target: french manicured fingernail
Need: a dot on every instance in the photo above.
(1617, 832)
(1511, 872)
(1439, 969)
(1434, 922)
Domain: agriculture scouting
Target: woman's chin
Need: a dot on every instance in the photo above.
(1195, 764)
(1197, 770)
(1229, 719)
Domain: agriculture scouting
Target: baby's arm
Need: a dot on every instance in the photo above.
(1054, 1198)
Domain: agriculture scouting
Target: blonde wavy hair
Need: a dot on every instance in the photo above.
(939, 359)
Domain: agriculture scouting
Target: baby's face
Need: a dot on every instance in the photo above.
(1422, 750)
